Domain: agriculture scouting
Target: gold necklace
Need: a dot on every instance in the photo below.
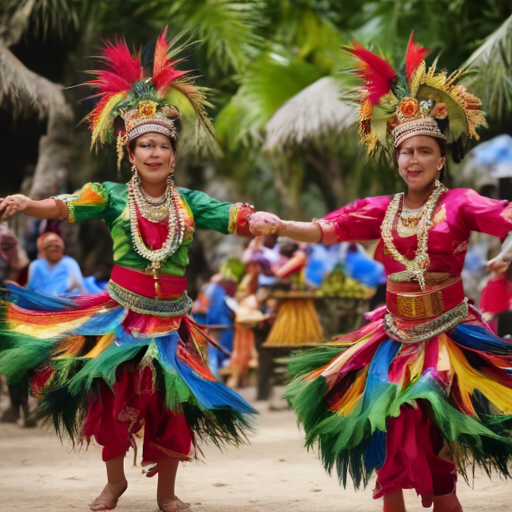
(416, 267)
(407, 224)
(153, 209)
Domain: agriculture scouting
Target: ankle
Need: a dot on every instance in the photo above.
(447, 503)
(118, 486)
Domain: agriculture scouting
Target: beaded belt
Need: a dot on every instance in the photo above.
(148, 306)
(415, 315)
(404, 332)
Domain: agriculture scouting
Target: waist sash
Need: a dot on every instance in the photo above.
(407, 300)
(163, 296)
(415, 315)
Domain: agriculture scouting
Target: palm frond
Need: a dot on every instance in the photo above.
(16, 87)
(315, 112)
(267, 84)
(226, 29)
(42, 15)
(23, 91)
(493, 81)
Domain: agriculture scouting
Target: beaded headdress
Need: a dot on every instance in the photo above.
(131, 103)
(415, 101)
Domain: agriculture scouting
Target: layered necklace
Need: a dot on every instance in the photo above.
(409, 220)
(155, 210)
(416, 267)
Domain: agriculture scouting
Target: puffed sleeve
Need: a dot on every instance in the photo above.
(485, 215)
(221, 216)
(358, 221)
(91, 202)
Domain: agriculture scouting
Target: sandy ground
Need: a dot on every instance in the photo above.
(273, 473)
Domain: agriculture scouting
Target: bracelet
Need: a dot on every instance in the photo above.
(63, 209)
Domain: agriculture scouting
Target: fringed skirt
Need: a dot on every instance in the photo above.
(413, 412)
(101, 370)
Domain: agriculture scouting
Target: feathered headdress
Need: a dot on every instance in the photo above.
(415, 101)
(131, 103)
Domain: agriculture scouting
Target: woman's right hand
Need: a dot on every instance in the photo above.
(264, 223)
(11, 205)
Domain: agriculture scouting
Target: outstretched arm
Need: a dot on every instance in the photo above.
(500, 264)
(43, 209)
(263, 223)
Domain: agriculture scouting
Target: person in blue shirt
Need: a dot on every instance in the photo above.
(53, 272)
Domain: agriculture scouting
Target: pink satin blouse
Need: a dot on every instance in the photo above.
(459, 211)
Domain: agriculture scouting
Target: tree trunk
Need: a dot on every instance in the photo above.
(54, 153)
(327, 163)
(29, 92)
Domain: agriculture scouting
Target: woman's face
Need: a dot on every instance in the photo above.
(420, 161)
(153, 157)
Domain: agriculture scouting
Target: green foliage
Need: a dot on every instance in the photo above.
(258, 54)
(272, 79)
(493, 82)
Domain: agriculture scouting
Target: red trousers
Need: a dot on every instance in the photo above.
(114, 415)
(412, 445)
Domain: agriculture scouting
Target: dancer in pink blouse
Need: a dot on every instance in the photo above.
(424, 389)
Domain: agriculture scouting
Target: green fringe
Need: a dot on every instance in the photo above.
(485, 440)
(303, 362)
(77, 380)
(221, 426)
(104, 367)
(20, 353)
(176, 392)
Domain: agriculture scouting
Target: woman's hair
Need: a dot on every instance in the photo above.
(443, 148)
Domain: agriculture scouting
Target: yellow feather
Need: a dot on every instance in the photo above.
(103, 121)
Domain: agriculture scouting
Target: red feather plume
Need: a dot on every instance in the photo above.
(121, 69)
(378, 74)
(414, 56)
(164, 72)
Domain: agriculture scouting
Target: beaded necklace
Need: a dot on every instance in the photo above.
(153, 209)
(416, 267)
(176, 224)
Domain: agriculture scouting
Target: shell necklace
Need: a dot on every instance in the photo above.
(154, 209)
(416, 267)
(176, 223)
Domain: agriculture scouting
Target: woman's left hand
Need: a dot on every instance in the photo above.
(498, 265)
(264, 223)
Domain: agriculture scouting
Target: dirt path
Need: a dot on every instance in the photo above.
(274, 473)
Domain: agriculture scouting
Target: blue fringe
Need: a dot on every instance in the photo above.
(477, 338)
(209, 394)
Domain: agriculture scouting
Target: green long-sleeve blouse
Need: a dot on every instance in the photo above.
(109, 201)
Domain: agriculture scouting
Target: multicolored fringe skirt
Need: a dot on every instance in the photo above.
(103, 370)
(415, 411)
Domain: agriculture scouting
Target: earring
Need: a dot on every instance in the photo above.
(134, 169)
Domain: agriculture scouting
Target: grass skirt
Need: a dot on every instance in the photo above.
(100, 366)
(371, 403)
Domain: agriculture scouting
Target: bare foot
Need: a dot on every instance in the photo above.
(108, 498)
(174, 505)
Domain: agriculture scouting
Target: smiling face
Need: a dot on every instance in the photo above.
(53, 252)
(420, 162)
(153, 157)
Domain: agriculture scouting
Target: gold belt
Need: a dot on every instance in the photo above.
(148, 306)
(405, 300)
